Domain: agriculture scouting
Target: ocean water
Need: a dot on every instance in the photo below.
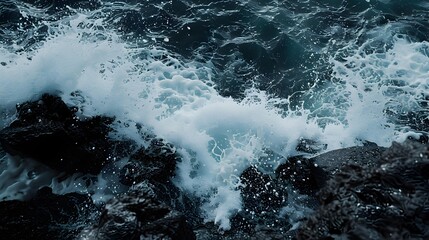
(230, 83)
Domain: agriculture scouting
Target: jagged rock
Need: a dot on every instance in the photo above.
(260, 192)
(157, 163)
(48, 131)
(308, 175)
(211, 232)
(138, 214)
(263, 197)
(303, 174)
(386, 199)
(46, 216)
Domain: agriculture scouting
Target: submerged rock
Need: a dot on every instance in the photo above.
(48, 131)
(46, 216)
(386, 199)
(138, 214)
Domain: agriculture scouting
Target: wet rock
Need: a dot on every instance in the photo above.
(49, 131)
(157, 163)
(260, 192)
(303, 174)
(360, 155)
(309, 175)
(211, 232)
(138, 214)
(263, 197)
(383, 200)
(46, 216)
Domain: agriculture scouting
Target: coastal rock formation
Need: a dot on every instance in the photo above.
(50, 132)
(303, 174)
(46, 216)
(386, 199)
(157, 162)
(332, 161)
(138, 214)
(263, 197)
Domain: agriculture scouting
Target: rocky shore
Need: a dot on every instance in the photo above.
(362, 192)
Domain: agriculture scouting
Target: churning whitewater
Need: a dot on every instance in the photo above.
(230, 84)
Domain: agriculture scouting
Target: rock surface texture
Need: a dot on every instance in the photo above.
(46, 216)
(50, 132)
(138, 214)
(387, 199)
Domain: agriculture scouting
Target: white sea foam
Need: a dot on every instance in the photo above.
(217, 137)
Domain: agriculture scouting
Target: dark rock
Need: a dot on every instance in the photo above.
(46, 216)
(263, 197)
(48, 131)
(180, 201)
(138, 214)
(157, 163)
(303, 174)
(211, 232)
(260, 192)
(383, 200)
(360, 155)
